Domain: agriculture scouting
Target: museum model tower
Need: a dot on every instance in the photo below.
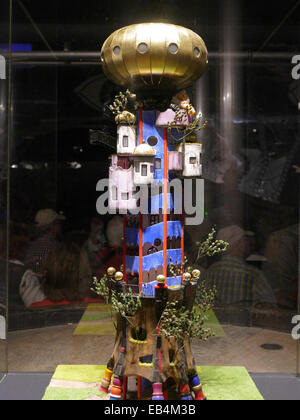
(154, 62)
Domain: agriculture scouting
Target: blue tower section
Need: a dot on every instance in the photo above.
(153, 238)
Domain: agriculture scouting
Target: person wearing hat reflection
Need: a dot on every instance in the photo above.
(238, 282)
(48, 227)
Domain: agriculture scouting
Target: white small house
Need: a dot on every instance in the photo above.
(175, 161)
(126, 139)
(192, 159)
(143, 164)
(121, 189)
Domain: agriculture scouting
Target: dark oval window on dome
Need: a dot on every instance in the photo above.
(152, 141)
(173, 48)
(196, 52)
(142, 48)
(117, 50)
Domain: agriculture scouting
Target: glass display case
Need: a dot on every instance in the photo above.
(4, 135)
(57, 136)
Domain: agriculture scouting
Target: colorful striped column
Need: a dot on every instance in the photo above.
(116, 390)
(105, 383)
(197, 389)
(158, 394)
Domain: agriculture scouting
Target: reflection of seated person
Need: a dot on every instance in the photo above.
(48, 230)
(281, 266)
(16, 270)
(66, 278)
(236, 281)
(96, 240)
(112, 256)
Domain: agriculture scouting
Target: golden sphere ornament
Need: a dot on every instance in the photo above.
(119, 276)
(187, 277)
(161, 279)
(111, 271)
(196, 274)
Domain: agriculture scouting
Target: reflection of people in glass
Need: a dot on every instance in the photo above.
(16, 268)
(3, 266)
(66, 277)
(112, 255)
(67, 274)
(96, 241)
(281, 266)
(238, 282)
(48, 229)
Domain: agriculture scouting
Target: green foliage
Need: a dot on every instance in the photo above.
(174, 322)
(126, 305)
(211, 246)
(123, 102)
(101, 288)
(176, 269)
(205, 297)
(197, 329)
(179, 324)
(181, 115)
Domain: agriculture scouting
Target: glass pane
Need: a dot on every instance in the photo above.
(298, 311)
(62, 136)
(4, 175)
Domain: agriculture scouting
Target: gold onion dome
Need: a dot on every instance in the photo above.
(150, 56)
(125, 117)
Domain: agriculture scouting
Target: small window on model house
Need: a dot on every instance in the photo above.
(193, 160)
(144, 170)
(158, 164)
(125, 196)
(137, 167)
(125, 141)
(152, 169)
(200, 158)
(114, 193)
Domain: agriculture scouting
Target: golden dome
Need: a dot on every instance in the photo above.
(151, 56)
(126, 118)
